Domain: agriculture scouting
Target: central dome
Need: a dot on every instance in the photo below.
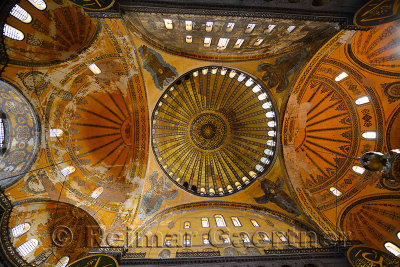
(214, 131)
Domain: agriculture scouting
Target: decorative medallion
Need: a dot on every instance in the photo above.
(377, 12)
(208, 131)
(214, 131)
(95, 5)
(34, 80)
(366, 256)
(101, 260)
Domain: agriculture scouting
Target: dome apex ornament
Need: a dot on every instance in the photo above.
(211, 133)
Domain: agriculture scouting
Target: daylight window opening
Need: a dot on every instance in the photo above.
(39, 4)
(27, 247)
(207, 41)
(209, 26)
(335, 191)
(21, 14)
(222, 43)
(12, 33)
(230, 26)
(20, 229)
(269, 28)
(168, 24)
(358, 169)
(392, 248)
(362, 100)
(369, 135)
(62, 262)
(189, 25)
(189, 39)
(341, 76)
(219, 220)
(250, 27)
(238, 43)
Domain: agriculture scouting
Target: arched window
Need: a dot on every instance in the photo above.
(56, 132)
(1, 133)
(259, 168)
(268, 152)
(258, 41)
(20, 229)
(187, 240)
(27, 247)
(358, 169)
(271, 133)
(265, 160)
(255, 223)
(67, 170)
(39, 4)
(97, 192)
(206, 239)
(225, 238)
(282, 237)
(271, 143)
(207, 43)
(209, 26)
(62, 262)
(12, 32)
(238, 44)
(250, 27)
(270, 114)
(335, 191)
(341, 76)
(263, 96)
(219, 220)
(271, 124)
(204, 222)
(94, 68)
(267, 105)
(168, 24)
(392, 248)
(21, 14)
(222, 43)
(398, 235)
(230, 26)
(264, 237)
(290, 29)
(245, 238)
(186, 225)
(236, 222)
(369, 135)
(362, 100)
(168, 240)
(189, 25)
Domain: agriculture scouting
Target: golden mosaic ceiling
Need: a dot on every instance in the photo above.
(214, 130)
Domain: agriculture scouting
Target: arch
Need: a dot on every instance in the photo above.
(21, 132)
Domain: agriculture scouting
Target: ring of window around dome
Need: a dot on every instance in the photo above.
(214, 131)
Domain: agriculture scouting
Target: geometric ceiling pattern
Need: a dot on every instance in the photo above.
(214, 131)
